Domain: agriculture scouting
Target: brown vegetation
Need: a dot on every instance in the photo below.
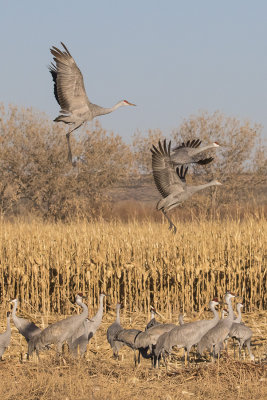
(100, 377)
(35, 177)
(139, 263)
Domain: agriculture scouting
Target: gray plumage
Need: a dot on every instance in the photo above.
(60, 331)
(153, 321)
(5, 337)
(215, 337)
(112, 331)
(241, 333)
(170, 182)
(187, 335)
(128, 337)
(181, 319)
(26, 328)
(78, 347)
(80, 339)
(191, 153)
(238, 318)
(149, 338)
(70, 93)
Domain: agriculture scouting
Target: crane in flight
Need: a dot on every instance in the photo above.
(70, 94)
(171, 182)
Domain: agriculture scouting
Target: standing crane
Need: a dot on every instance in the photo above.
(214, 338)
(80, 339)
(60, 331)
(191, 153)
(112, 331)
(5, 337)
(171, 183)
(26, 328)
(241, 333)
(153, 320)
(69, 91)
(148, 338)
(127, 337)
(186, 335)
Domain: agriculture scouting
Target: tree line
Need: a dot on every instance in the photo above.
(36, 178)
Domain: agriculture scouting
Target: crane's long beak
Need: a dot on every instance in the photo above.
(131, 104)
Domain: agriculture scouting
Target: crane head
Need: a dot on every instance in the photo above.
(127, 103)
(217, 183)
(13, 301)
(229, 295)
(80, 295)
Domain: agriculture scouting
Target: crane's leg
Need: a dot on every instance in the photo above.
(139, 357)
(135, 361)
(234, 346)
(249, 351)
(69, 147)
(240, 350)
(171, 226)
(185, 358)
(76, 126)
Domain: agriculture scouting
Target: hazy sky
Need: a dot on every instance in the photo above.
(172, 58)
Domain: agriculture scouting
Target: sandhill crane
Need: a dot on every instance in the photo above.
(171, 183)
(60, 331)
(5, 337)
(70, 94)
(181, 319)
(238, 319)
(153, 320)
(79, 340)
(148, 339)
(26, 328)
(191, 153)
(186, 335)
(112, 331)
(214, 338)
(127, 337)
(241, 333)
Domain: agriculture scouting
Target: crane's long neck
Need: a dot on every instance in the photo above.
(152, 314)
(97, 110)
(197, 188)
(84, 314)
(239, 316)
(99, 313)
(14, 309)
(8, 327)
(204, 148)
(118, 314)
(181, 319)
(215, 312)
(231, 315)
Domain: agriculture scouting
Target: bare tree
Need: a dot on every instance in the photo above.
(36, 176)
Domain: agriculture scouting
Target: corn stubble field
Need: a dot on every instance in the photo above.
(139, 264)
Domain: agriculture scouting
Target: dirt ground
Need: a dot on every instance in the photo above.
(100, 377)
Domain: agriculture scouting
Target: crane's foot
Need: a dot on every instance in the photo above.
(172, 228)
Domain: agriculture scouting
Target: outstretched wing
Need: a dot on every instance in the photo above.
(181, 172)
(68, 82)
(190, 143)
(165, 177)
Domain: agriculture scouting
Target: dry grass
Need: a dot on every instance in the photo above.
(46, 264)
(140, 264)
(99, 376)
